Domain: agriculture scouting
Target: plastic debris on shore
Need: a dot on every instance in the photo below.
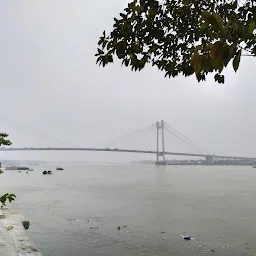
(9, 228)
(187, 237)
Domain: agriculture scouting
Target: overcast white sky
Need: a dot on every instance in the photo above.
(49, 80)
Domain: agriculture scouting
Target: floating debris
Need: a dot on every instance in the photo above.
(212, 250)
(94, 227)
(9, 228)
(162, 232)
(187, 237)
(118, 228)
(125, 226)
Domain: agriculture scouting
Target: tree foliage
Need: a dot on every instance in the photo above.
(182, 37)
(6, 197)
(3, 139)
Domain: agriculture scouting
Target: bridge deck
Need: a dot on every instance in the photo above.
(122, 150)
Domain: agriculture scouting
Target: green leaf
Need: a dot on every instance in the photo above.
(196, 61)
(100, 51)
(227, 54)
(214, 20)
(236, 60)
(203, 26)
(252, 26)
(206, 16)
(186, 2)
(226, 27)
(215, 50)
(121, 47)
(219, 78)
(123, 16)
(232, 50)
(218, 20)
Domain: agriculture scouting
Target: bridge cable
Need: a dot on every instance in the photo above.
(36, 133)
(131, 137)
(182, 139)
(188, 140)
(128, 134)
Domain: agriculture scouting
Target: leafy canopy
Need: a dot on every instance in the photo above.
(182, 37)
(6, 197)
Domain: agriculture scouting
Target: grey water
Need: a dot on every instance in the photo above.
(78, 211)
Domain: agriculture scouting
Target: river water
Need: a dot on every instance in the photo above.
(77, 211)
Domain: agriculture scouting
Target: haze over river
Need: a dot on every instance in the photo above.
(77, 211)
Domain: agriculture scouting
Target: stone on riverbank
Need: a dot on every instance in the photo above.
(16, 241)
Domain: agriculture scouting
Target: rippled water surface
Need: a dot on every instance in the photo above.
(77, 211)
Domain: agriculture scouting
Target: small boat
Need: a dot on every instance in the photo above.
(49, 172)
(58, 168)
(44, 172)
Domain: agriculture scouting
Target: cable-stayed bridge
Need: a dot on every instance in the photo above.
(161, 145)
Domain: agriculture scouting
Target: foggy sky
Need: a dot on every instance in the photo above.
(49, 80)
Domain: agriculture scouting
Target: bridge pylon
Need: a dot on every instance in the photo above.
(160, 127)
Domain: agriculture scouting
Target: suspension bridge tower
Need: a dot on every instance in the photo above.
(161, 153)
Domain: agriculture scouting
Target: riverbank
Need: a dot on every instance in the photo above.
(16, 241)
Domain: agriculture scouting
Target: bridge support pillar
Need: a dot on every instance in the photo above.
(160, 126)
(157, 142)
(210, 159)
